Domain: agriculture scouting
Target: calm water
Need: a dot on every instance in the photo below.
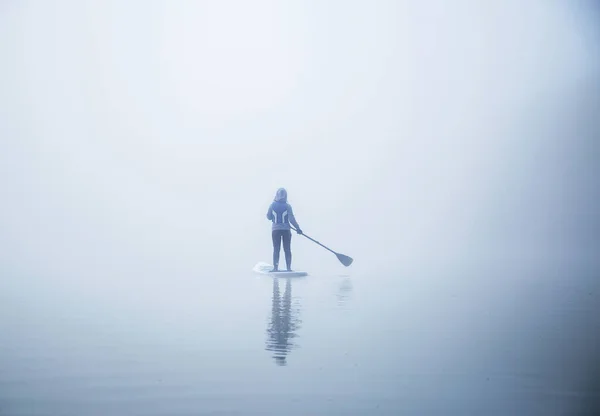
(500, 340)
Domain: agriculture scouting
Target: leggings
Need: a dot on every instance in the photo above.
(278, 236)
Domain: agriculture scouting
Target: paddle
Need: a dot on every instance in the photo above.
(345, 260)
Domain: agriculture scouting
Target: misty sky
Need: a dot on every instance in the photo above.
(156, 133)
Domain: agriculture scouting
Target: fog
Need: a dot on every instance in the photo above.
(163, 129)
(141, 144)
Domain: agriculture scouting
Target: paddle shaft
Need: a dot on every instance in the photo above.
(312, 239)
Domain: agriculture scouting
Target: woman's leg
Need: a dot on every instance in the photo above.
(276, 235)
(287, 242)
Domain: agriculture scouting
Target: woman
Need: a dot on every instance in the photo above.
(281, 214)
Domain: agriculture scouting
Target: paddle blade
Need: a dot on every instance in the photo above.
(345, 260)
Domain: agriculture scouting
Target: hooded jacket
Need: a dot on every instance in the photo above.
(281, 213)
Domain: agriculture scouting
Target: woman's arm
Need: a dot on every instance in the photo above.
(292, 219)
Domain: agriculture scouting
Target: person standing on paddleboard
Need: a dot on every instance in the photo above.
(282, 215)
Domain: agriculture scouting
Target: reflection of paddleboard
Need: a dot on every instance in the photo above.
(263, 268)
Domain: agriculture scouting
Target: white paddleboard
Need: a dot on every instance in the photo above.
(264, 268)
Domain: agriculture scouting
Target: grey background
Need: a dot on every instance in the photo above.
(450, 148)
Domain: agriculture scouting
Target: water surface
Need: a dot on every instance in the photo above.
(465, 342)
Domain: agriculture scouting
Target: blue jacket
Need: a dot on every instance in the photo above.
(281, 213)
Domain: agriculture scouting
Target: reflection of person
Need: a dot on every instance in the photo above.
(281, 214)
(283, 323)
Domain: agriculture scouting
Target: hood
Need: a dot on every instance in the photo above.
(281, 195)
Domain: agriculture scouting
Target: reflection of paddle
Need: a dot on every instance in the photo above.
(345, 260)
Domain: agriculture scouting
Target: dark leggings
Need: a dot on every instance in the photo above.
(278, 236)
